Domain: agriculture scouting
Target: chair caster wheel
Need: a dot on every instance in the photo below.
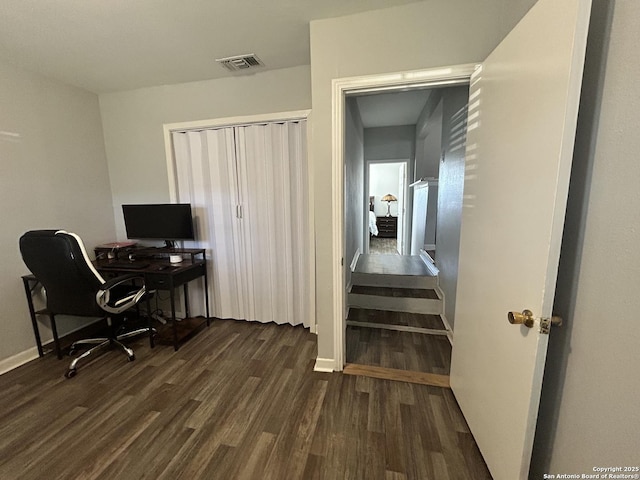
(72, 352)
(131, 358)
(70, 373)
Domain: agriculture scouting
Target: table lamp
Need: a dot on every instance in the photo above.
(389, 198)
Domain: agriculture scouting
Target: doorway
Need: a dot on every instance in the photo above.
(387, 186)
(405, 293)
(444, 77)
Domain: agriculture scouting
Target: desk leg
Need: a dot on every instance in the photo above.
(56, 340)
(173, 317)
(206, 295)
(186, 301)
(149, 324)
(34, 320)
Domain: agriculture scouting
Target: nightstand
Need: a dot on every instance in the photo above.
(387, 227)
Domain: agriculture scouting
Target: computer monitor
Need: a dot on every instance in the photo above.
(166, 221)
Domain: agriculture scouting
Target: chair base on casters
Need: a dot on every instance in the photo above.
(100, 344)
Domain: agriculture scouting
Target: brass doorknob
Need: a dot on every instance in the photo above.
(525, 318)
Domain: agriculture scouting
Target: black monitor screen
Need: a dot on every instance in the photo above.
(169, 221)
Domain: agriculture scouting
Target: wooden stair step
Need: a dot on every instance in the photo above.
(390, 280)
(395, 292)
(396, 304)
(405, 319)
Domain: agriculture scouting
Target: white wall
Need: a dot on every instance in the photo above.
(390, 143)
(53, 175)
(133, 122)
(589, 413)
(419, 35)
(354, 185)
(429, 138)
(428, 153)
(450, 191)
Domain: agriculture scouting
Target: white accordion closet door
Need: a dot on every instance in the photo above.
(249, 187)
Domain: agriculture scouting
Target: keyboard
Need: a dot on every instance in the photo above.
(127, 265)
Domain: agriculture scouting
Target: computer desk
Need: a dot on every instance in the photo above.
(160, 274)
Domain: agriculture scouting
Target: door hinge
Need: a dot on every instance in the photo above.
(342, 262)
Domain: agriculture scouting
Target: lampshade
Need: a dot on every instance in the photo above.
(389, 198)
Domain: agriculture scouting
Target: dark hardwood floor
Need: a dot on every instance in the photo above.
(418, 320)
(238, 401)
(409, 351)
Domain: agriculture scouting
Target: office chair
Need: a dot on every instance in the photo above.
(74, 287)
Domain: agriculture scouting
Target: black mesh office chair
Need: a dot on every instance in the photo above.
(74, 287)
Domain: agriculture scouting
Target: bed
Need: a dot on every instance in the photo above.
(373, 227)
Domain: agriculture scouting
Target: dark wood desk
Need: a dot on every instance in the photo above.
(160, 274)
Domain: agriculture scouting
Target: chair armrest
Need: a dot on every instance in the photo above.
(109, 284)
(108, 303)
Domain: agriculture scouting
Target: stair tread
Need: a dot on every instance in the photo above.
(395, 292)
(420, 320)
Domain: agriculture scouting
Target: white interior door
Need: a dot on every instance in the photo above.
(401, 208)
(522, 119)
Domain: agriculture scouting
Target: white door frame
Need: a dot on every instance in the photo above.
(340, 87)
(367, 181)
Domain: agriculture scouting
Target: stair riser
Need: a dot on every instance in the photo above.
(398, 281)
(396, 304)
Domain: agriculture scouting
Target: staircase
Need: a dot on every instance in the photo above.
(392, 298)
(396, 301)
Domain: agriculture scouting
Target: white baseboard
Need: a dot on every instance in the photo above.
(447, 326)
(443, 315)
(324, 365)
(18, 359)
(354, 261)
(32, 353)
(428, 261)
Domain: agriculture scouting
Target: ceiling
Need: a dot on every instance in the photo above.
(392, 109)
(105, 46)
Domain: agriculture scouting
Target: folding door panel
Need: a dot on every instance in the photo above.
(272, 178)
(300, 236)
(206, 178)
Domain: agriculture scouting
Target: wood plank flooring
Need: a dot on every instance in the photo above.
(392, 265)
(383, 246)
(400, 350)
(238, 401)
(418, 320)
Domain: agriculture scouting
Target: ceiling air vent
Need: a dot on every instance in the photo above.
(240, 62)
